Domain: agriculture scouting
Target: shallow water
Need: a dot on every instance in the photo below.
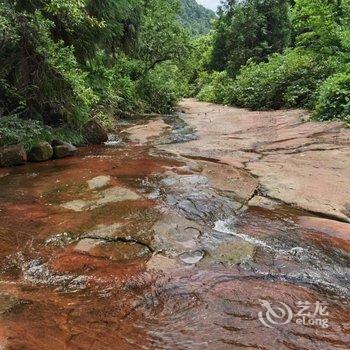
(128, 247)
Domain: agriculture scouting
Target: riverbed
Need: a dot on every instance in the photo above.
(217, 228)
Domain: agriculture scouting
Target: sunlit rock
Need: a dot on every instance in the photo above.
(99, 182)
(111, 195)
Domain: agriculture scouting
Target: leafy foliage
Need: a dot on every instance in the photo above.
(288, 80)
(215, 87)
(258, 71)
(334, 98)
(63, 61)
(160, 92)
(250, 29)
(14, 130)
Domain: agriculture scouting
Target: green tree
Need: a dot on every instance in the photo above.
(70, 58)
(250, 29)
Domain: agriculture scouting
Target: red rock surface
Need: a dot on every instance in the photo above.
(306, 164)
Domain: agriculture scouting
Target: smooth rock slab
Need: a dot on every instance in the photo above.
(226, 178)
(111, 195)
(175, 234)
(161, 263)
(145, 132)
(232, 253)
(118, 251)
(192, 258)
(303, 164)
(263, 202)
(99, 182)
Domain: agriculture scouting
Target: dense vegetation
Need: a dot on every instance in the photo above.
(196, 17)
(65, 61)
(278, 53)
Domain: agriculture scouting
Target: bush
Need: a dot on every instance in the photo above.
(333, 98)
(14, 130)
(286, 80)
(214, 87)
(161, 88)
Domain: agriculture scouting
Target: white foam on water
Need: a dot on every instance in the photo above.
(224, 226)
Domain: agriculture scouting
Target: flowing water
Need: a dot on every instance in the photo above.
(129, 247)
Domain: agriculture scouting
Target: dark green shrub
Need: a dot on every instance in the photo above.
(333, 100)
(14, 130)
(215, 87)
(250, 29)
(286, 80)
(28, 132)
(161, 88)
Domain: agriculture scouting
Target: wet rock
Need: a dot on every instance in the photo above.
(41, 152)
(39, 273)
(62, 149)
(61, 152)
(111, 195)
(78, 205)
(327, 232)
(8, 303)
(105, 231)
(161, 263)
(193, 196)
(99, 182)
(117, 194)
(175, 234)
(12, 156)
(64, 239)
(113, 140)
(232, 253)
(236, 182)
(263, 202)
(113, 250)
(61, 240)
(94, 133)
(86, 245)
(331, 227)
(192, 258)
(303, 164)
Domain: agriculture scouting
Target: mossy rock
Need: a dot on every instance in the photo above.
(12, 155)
(94, 133)
(41, 152)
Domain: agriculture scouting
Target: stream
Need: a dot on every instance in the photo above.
(132, 246)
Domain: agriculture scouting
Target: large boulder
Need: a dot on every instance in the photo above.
(12, 155)
(41, 152)
(62, 149)
(94, 133)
